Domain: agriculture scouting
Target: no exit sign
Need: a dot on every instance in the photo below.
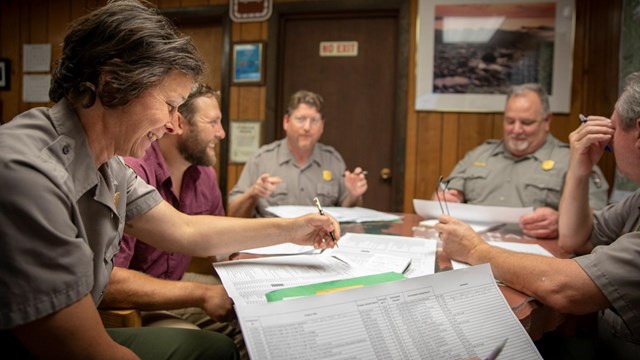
(338, 48)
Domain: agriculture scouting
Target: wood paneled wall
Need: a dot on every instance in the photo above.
(435, 141)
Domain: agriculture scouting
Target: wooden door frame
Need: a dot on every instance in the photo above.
(202, 15)
(400, 124)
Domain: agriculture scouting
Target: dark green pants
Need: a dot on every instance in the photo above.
(180, 344)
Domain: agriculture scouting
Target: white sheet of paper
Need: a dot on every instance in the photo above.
(247, 281)
(283, 249)
(471, 213)
(342, 214)
(513, 246)
(374, 262)
(422, 252)
(477, 227)
(449, 315)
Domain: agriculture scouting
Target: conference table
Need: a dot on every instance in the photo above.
(536, 317)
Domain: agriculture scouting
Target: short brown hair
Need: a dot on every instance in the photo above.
(188, 109)
(308, 98)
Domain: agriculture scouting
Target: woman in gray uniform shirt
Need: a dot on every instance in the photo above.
(605, 279)
(123, 73)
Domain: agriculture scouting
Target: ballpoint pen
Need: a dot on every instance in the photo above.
(494, 354)
(583, 119)
(363, 172)
(317, 202)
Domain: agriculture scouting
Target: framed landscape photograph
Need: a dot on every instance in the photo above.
(248, 63)
(471, 51)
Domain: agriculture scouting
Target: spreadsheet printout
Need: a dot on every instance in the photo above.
(247, 281)
(448, 315)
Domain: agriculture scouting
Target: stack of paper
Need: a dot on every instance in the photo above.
(449, 315)
(398, 250)
(247, 281)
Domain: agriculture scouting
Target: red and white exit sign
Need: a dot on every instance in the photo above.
(338, 48)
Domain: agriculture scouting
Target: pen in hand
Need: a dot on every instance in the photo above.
(583, 119)
(363, 172)
(317, 202)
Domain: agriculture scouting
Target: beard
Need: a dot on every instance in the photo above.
(194, 150)
(517, 145)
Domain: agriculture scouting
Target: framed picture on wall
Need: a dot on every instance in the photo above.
(471, 51)
(5, 74)
(248, 63)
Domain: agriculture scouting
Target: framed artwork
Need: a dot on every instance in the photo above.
(5, 74)
(471, 51)
(248, 64)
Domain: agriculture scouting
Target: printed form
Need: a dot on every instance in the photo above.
(449, 315)
(247, 281)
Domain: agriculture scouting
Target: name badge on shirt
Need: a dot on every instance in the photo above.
(327, 175)
(548, 165)
(596, 179)
(480, 164)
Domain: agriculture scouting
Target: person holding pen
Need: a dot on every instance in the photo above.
(526, 168)
(123, 73)
(296, 169)
(180, 166)
(603, 277)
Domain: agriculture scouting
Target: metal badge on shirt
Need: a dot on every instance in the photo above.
(548, 165)
(596, 179)
(327, 175)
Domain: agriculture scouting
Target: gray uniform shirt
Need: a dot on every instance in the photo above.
(490, 175)
(62, 220)
(321, 176)
(614, 266)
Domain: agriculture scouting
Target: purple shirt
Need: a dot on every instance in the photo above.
(200, 194)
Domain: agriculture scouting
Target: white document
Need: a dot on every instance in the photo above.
(244, 140)
(449, 315)
(247, 281)
(512, 246)
(372, 263)
(283, 249)
(477, 227)
(36, 58)
(422, 252)
(472, 213)
(35, 87)
(342, 214)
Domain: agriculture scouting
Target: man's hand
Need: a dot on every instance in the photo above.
(451, 195)
(356, 182)
(588, 143)
(265, 185)
(217, 304)
(541, 224)
(459, 240)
